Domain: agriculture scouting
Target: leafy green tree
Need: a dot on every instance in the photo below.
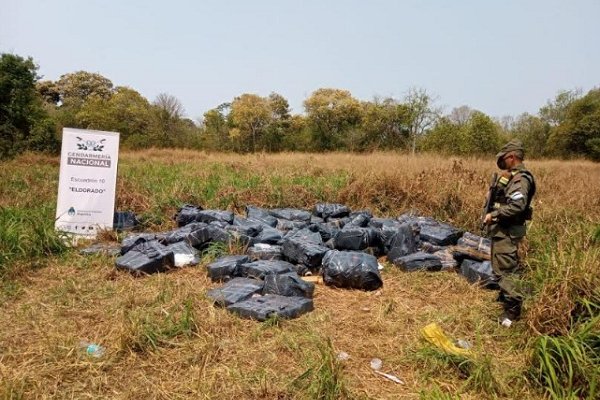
(190, 136)
(77, 87)
(533, 132)
(385, 124)
(476, 135)
(24, 124)
(555, 111)
(49, 91)
(126, 112)
(249, 116)
(445, 137)
(298, 136)
(330, 114)
(280, 107)
(579, 132)
(130, 113)
(65, 98)
(215, 129)
(279, 126)
(481, 135)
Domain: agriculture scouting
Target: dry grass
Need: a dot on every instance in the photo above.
(221, 356)
(165, 340)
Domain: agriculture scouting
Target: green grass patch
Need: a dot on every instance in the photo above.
(596, 234)
(27, 235)
(437, 394)
(213, 251)
(324, 378)
(148, 331)
(476, 372)
(568, 367)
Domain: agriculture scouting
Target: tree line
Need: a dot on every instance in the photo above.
(33, 112)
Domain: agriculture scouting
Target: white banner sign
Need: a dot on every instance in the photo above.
(86, 185)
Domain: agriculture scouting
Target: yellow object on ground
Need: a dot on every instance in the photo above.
(436, 336)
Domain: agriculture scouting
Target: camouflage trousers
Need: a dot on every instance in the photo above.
(506, 263)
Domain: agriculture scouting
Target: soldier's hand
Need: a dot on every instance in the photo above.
(488, 219)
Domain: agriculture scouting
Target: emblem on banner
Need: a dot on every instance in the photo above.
(92, 145)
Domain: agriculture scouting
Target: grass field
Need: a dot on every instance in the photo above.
(165, 340)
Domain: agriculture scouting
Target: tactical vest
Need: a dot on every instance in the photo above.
(501, 197)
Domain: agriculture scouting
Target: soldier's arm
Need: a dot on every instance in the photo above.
(517, 192)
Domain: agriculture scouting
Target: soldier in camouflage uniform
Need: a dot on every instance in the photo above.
(512, 207)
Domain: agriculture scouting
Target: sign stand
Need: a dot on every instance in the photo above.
(87, 181)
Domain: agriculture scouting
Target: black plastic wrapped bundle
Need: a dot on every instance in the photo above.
(262, 308)
(147, 258)
(418, 261)
(288, 284)
(261, 268)
(187, 214)
(234, 291)
(351, 269)
(225, 268)
(331, 210)
(479, 272)
(304, 252)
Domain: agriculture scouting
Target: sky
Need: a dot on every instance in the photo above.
(501, 57)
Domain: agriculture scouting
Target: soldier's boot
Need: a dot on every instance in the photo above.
(512, 311)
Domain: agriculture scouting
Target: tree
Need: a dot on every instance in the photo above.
(579, 132)
(276, 130)
(481, 135)
(77, 87)
(65, 98)
(461, 115)
(280, 108)
(331, 113)
(250, 115)
(445, 137)
(167, 125)
(169, 105)
(298, 136)
(385, 123)
(555, 111)
(533, 132)
(215, 128)
(506, 123)
(49, 91)
(130, 113)
(24, 124)
(423, 114)
(126, 112)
